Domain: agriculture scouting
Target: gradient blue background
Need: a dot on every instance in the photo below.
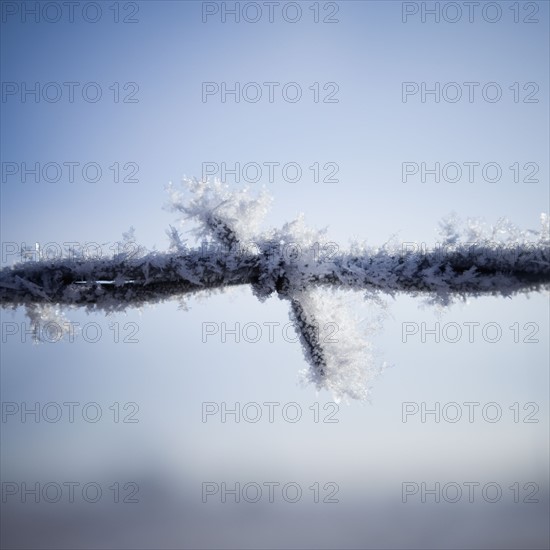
(169, 133)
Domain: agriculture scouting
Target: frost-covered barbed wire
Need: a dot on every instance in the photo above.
(476, 260)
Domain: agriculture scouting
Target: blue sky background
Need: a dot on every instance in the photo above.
(370, 132)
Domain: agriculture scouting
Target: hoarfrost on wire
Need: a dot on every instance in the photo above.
(473, 259)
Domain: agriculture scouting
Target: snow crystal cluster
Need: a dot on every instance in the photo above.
(343, 363)
(473, 259)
